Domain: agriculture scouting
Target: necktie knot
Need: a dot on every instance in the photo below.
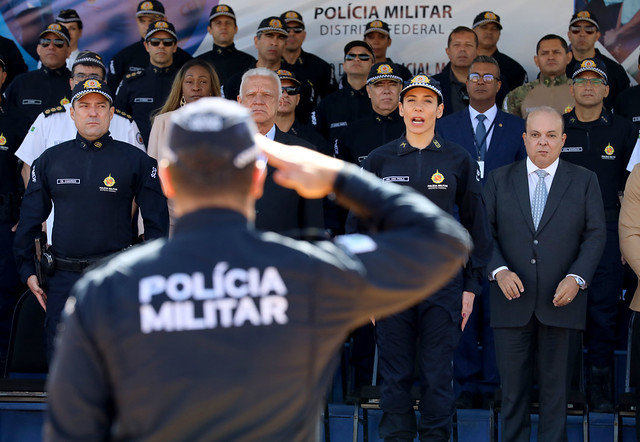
(541, 173)
(481, 118)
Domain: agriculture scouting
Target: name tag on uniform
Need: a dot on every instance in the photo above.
(338, 124)
(32, 101)
(481, 168)
(395, 179)
(68, 181)
(143, 100)
(572, 149)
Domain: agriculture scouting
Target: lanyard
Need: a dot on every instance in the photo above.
(475, 141)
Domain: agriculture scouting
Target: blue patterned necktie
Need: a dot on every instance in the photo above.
(481, 136)
(539, 198)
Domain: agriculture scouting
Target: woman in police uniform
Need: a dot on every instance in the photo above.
(446, 173)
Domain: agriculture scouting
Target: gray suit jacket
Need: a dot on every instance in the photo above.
(570, 239)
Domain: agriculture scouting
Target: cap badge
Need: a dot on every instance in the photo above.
(420, 79)
(284, 73)
(275, 23)
(54, 27)
(584, 14)
(161, 25)
(490, 16)
(291, 14)
(384, 69)
(588, 64)
(92, 84)
(437, 177)
(376, 24)
(146, 6)
(222, 8)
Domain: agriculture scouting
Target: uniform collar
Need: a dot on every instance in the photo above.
(206, 218)
(404, 147)
(605, 119)
(559, 80)
(96, 144)
(220, 50)
(161, 71)
(344, 84)
(393, 116)
(60, 72)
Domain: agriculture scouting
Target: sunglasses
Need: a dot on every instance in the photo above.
(45, 42)
(291, 90)
(166, 42)
(588, 29)
(297, 29)
(487, 78)
(363, 57)
(591, 81)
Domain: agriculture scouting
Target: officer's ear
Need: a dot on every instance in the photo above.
(165, 179)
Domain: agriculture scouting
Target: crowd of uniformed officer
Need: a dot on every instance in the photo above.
(353, 115)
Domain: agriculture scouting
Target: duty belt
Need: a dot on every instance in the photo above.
(73, 265)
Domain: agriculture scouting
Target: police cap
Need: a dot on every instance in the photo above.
(272, 24)
(359, 43)
(283, 74)
(377, 26)
(585, 16)
(486, 17)
(161, 25)
(591, 64)
(422, 81)
(219, 10)
(69, 16)
(89, 58)
(89, 87)
(223, 127)
(150, 7)
(290, 16)
(383, 71)
(59, 30)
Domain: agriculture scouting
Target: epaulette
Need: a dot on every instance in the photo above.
(124, 115)
(133, 75)
(54, 110)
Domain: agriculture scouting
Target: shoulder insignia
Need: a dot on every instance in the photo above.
(133, 75)
(124, 115)
(54, 110)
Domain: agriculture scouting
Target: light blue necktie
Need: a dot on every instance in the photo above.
(539, 198)
(481, 136)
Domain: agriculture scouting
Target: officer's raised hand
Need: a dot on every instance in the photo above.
(34, 286)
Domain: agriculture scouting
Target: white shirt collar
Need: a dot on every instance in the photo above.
(551, 170)
(490, 114)
(272, 133)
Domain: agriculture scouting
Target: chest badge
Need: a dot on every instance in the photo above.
(3, 140)
(64, 101)
(109, 181)
(609, 149)
(437, 177)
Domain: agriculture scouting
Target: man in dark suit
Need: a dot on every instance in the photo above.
(495, 142)
(542, 261)
(280, 210)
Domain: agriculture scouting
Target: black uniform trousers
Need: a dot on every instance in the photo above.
(602, 302)
(635, 364)
(437, 334)
(515, 350)
(58, 289)
(10, 286)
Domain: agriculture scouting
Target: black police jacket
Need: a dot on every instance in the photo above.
(135, 58)
(366, 134)
(628, 105)
(227, 61)
(446, 174)
(144, 92)
(12, 131)
(224, 333)
(603, 146)
(93, 185)
(33, 92)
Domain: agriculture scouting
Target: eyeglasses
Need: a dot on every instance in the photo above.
(81, 76)
(166, 42)
(291, 90)
(591, 81)
(588, 29)
(45, 42)
(487, 78)
(297, 29)
(363, 57)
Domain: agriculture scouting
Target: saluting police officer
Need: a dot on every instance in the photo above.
(221, 310)
(445, 173)
(93, 181)
(135, 57)
(33, 92)
(143, 92)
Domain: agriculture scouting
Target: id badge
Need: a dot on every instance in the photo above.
(481, 167)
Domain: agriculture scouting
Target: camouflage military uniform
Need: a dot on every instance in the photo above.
(543, 91)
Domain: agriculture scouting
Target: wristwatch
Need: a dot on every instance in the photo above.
(581, 282)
